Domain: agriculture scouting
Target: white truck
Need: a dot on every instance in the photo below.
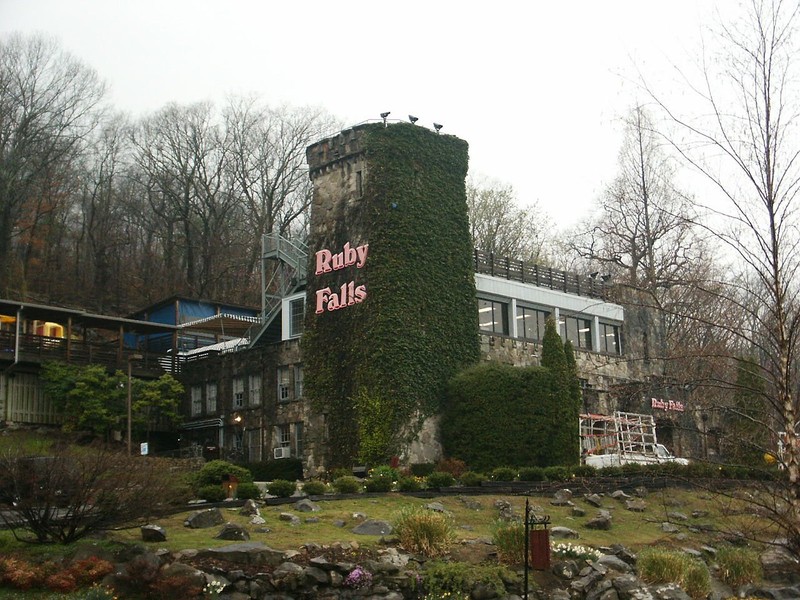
(621, 439)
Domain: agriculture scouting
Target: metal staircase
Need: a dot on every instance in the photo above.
(283, 273)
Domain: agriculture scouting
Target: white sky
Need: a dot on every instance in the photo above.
(535, 87)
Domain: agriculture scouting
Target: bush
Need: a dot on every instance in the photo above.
(453, 466)
(213, 472)
(664, 566)
(381, 483)
(584, 471)
(444, 579)
(531, 474)
(422, 469)
(212, 493)
(557, 473)
(509, 537)
(610, 472)
(472, 479)
(347, 484)
(290, 469)
(248, 491)
(424, 531)
(409, 484)
(738, 566)
(281, 488)
(341, 472)
(504, 474)
(315, 487)
(634, 469)
(439, 479)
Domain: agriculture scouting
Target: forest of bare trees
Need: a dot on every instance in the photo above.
(104, 212)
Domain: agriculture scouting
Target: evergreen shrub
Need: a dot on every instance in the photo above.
(471, 478)
(409, 484)
(347, 484)
(584, 471)
(315, 487)
(211, 493)
(556, 473)
(439, 479)
(531, 474)
(504, 474)
(212, 473)
(281, 488)
(248, 491)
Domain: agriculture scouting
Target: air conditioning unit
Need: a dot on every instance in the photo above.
(282, 452)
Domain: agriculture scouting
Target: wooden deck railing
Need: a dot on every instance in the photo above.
(553, 279)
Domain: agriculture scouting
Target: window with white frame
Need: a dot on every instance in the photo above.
(284, 384)
(197, 400)
(493, 316)
(298, 382)
(297, 313)
(578, 331)
(284, 435)
(530, 323)
(254, 386)
(238, 392)
(609, 338)
(211, 397)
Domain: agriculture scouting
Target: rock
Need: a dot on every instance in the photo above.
(436, 507)
(614, 563)
(669, 591)
(562, 498)
(585, 583)
(293, 519)
(563, 533)
(248, 553)
(306, 505)
(233, 532)
(601, 521)
(470, 503)
(668, 527)
(693, 553)
(373, 527)
(202, 519)
(359, 516)
(577, 511)
(287, 569)
(153, 533)
(312, 520)
(780, 565)
(699, 514)
(565, 569)
(257, 520)
(316, 575)
(640, 491)
(594, 500)
(619, 495)
(249, 509)
(194, 577)
(623, 553)
(338, 523)
(636, 505)
(677, 516)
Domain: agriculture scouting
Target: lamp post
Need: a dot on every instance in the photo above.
(131, 358)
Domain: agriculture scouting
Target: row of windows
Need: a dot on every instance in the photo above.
(493, 318)
(290, 387)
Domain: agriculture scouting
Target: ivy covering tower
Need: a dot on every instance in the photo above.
(391, 302)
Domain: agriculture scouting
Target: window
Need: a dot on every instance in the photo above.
(254, 386)
(297, 313)
(211, 397)
(298, 382)
(197, 400)
(238, 392)
(359, 184)
(493, 316)
(609, 339)
(579, 332)
(284, 435)
(298, 439)
(284, 384)
(530, 323)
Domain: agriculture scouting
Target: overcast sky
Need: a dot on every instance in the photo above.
(536, 88)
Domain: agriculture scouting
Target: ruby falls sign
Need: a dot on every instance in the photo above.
(349, 293)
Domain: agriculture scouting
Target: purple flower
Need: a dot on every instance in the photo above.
(358, 579)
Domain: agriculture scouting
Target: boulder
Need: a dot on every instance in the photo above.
(601, 521)
(306, 505)
(249, 509)
(594, 500)
(233, 532)
(293, 519)
(248, 553)
(563, 533)
(577, 511)
(562, 498)
(153, 533)
(619, 495)
(192, 575)
(203, 519)
(636, 505)
(780, 565)
(614, 563)
(373, 527)
(435, 507)
(668, 527)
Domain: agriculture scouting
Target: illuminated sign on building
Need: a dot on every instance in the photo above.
(349, 293)
(666, 405)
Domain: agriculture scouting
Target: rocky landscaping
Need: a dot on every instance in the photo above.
(248, 569)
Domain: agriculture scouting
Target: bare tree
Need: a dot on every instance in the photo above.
(501, 226)
(49, 104)
(748, 149)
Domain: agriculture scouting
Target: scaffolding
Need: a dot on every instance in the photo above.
(622, 433)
